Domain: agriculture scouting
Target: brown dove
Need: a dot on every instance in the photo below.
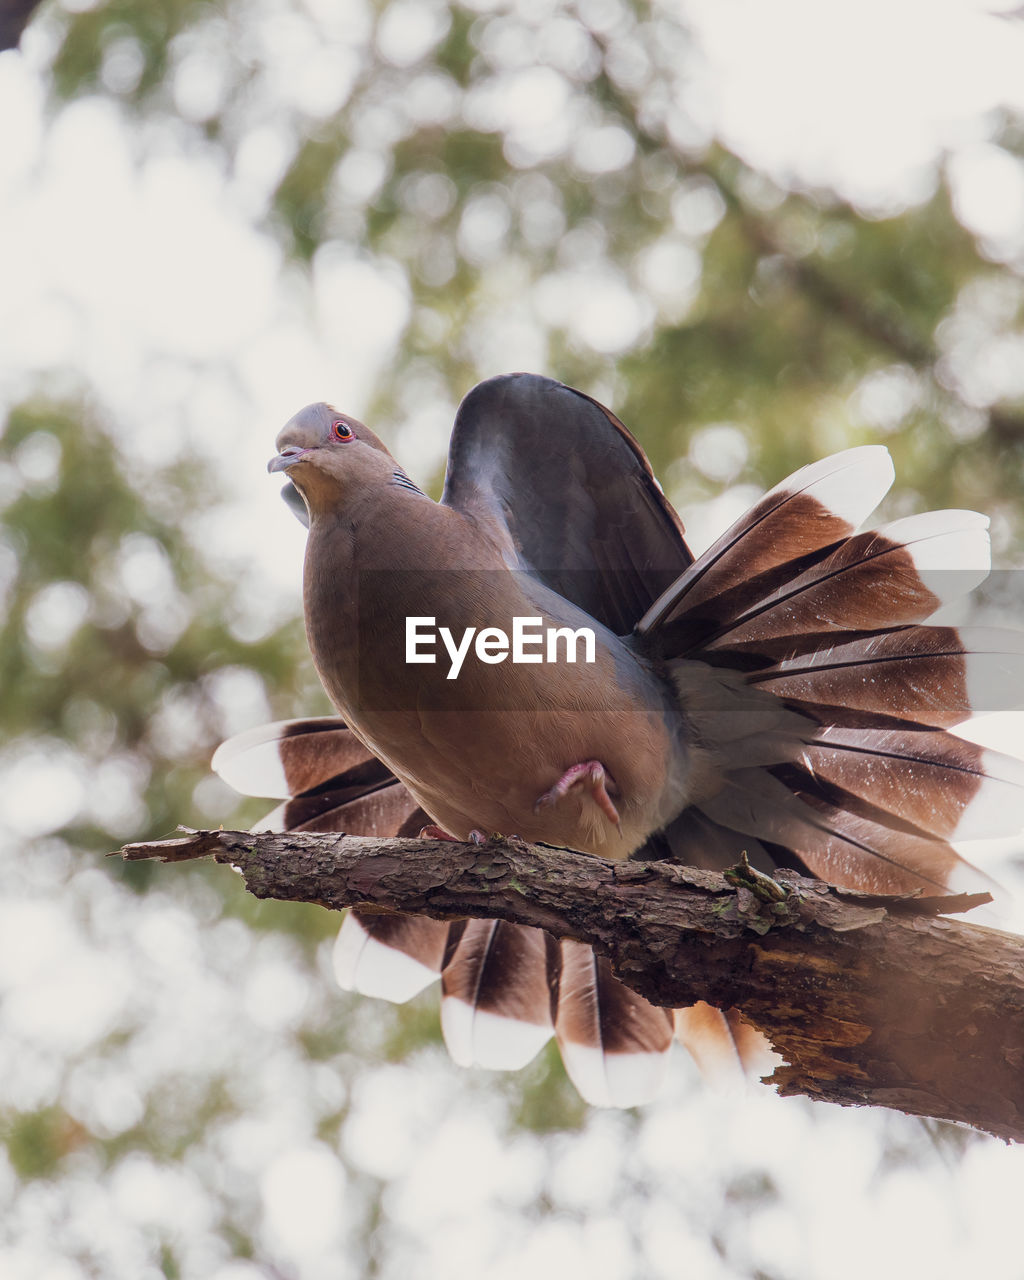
(539, 654)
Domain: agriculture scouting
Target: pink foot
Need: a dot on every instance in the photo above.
(432, 832)
(590, 774)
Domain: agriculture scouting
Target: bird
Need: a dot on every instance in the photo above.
(783, 696)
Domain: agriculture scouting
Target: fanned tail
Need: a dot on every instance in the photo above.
(506, 989)
(822, 702)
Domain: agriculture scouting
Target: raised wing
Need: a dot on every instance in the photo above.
(571, 488)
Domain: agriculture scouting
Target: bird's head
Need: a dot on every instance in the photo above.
(328, 455)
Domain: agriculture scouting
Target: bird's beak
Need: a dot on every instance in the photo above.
(287, 458)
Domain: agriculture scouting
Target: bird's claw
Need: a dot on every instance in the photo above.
(592, 775)
(433, 832)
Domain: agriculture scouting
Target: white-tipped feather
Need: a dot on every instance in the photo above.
(941, 783)
(1001, 729)
(966, 878)
(728, 1053)
(991, 658)
(950, 549)
(704, 1033)
(476, 1038)
(849, 485)
(274, 821)
(363, 964)
(997, 808)
(251, 762)
(614, 1079)
(995, 669)
(844, 848)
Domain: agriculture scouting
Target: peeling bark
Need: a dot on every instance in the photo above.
(871, 1000)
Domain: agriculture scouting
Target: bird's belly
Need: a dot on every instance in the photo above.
(486, 771)
(479, 751)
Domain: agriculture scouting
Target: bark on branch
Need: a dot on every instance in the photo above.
(876, 1001)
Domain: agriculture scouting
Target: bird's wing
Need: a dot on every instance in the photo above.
(293, 500)
(562, 479)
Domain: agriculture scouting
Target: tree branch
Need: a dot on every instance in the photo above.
(870, 1000)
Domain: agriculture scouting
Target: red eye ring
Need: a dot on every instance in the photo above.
(342, 431)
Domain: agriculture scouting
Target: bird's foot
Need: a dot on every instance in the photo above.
(591, 775)
(433, 832)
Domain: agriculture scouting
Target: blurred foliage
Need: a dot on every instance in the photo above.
(605, 229)
(115, 629)
(766, 307)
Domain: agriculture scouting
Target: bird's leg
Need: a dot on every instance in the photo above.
(592, 775)
(433, 832)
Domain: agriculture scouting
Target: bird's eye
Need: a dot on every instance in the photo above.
(342, 431)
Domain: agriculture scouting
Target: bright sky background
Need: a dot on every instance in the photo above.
(147, 279)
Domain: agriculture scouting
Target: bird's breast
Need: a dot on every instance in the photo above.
(428, 669)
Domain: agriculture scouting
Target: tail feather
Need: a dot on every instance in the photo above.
(851, 775)
(614, 1044)
(727, 1050)
(289, 757)
(392, 957)
(785, 807)
(814, 509)
(893, 576)
(496, 1001)
(940, 783)
(931, 676)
